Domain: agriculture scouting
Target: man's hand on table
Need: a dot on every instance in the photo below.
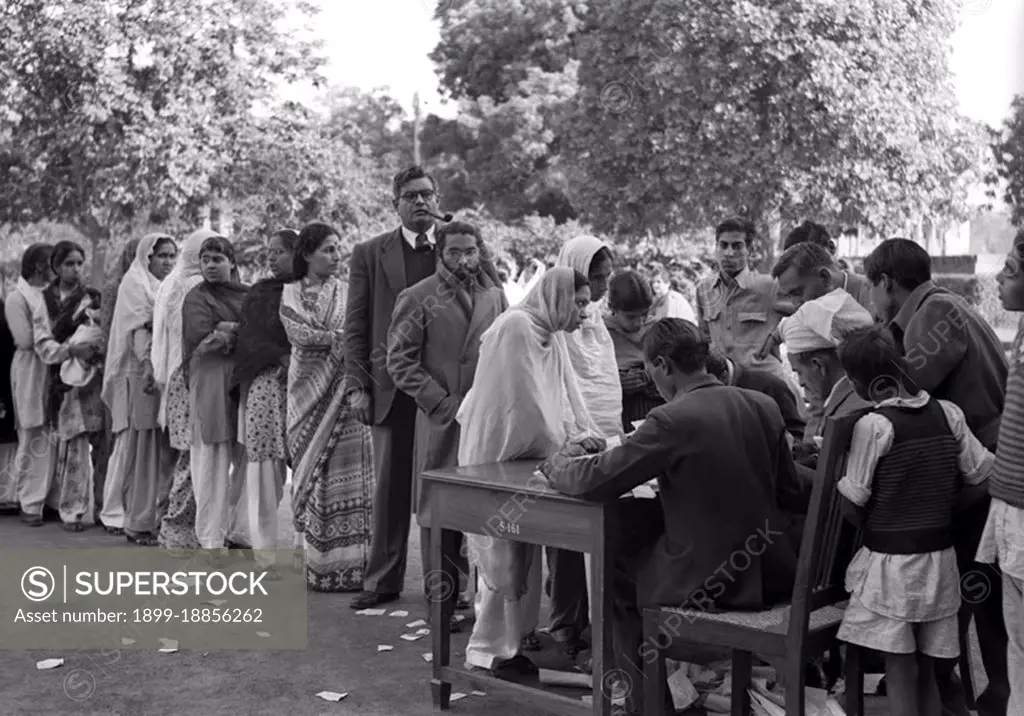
(571, 450)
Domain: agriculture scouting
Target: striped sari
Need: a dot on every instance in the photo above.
(331, 452)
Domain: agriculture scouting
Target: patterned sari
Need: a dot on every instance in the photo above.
(331, 452)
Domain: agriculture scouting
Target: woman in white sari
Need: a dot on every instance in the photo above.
(524, 404)
(592, 355)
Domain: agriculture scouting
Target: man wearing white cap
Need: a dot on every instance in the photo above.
(811, 336)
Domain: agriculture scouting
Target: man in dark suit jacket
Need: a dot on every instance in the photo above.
(716, 537)
(380, 270)
(432, 356)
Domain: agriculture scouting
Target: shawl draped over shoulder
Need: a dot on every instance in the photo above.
(590, 349)
(313, 318)
(134, 310)
(262, 339)
(65, 318)
(111, 287)
(524, 403)
(167, 314)
(206, 305)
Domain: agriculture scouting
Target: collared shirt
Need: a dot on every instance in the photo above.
(410, 236)
(738, 313)
(954, 354)
(912, 587)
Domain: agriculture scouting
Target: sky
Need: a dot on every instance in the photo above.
(374, 43)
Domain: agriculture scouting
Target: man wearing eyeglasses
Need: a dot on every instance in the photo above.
(380, 269)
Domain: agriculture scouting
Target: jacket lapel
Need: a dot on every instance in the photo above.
(393, 261)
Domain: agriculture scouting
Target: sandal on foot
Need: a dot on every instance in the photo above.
(142, 540)
(530, 642)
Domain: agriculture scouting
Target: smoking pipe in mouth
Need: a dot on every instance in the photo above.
(446, 218)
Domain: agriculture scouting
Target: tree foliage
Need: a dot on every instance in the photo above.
(114, 108)
(1008, 148)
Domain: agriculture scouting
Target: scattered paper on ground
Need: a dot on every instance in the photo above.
(478, 693)
(372, 612)
(169, 646)
(682, 690)
(332, 695)
(264, 634)
(385, 647)
(411, 637)
(49, 664)
(549, 677)
(216, 602)
(399, 613)
(417, 623)
(428, 657)
(424, 631)
(456, 696)
(126, 641)
(871, 682)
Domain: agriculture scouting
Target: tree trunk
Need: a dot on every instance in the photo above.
(98, 236)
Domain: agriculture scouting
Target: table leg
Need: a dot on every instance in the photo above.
(442, 596)
(604, 673)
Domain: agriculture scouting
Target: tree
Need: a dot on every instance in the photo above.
(115, 108)
(1008, 148)
(843, 111)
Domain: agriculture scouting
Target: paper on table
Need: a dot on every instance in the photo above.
(332, 695)
(417, 623)
(49, 664)
(372, 612)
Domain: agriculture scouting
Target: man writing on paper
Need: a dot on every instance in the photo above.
(724, 475)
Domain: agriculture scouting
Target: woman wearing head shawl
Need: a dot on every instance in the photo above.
(330, 450)
(75, 410)
(262, 356)
(524, 403)
(592, 355)
(211, 314)
(141, 461)
(30, 377)
(178, 526)
(108, 300)
(8, 434)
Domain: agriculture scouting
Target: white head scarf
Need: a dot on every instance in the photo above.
(821, 323)
(590, 349)
(167, 314)
(524, 403)
(133, 310)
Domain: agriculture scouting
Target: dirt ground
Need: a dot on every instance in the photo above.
(341, 656)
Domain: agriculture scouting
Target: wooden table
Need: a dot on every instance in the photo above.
(507, 500)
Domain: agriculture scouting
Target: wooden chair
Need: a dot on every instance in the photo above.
(788, 635)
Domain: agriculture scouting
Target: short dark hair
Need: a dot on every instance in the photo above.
(579, 281)
(629, 291)
(456, 227)
(311, 238)
(218, 245)
(657, 270)
(869, 356)
(289, 237)
(809, 232)
(902, 260)
(62, 250)
(805, 258)
(718, 365)
(678, 341)
(738, 225)
(35, 259)
(414, 171)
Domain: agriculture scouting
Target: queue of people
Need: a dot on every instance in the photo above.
(191, 397)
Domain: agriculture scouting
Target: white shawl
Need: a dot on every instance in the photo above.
(591, 350)
(167, 314)
(133, 310)
(524, 403)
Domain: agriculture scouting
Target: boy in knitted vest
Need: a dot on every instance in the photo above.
(1002, 542)
(910, 459)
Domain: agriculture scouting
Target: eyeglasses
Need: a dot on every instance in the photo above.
(426, 195)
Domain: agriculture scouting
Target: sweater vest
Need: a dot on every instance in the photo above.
(912, 491)
(418, 264)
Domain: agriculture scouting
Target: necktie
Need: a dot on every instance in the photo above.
(423, 243)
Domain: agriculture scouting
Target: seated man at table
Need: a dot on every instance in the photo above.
(724, 472)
